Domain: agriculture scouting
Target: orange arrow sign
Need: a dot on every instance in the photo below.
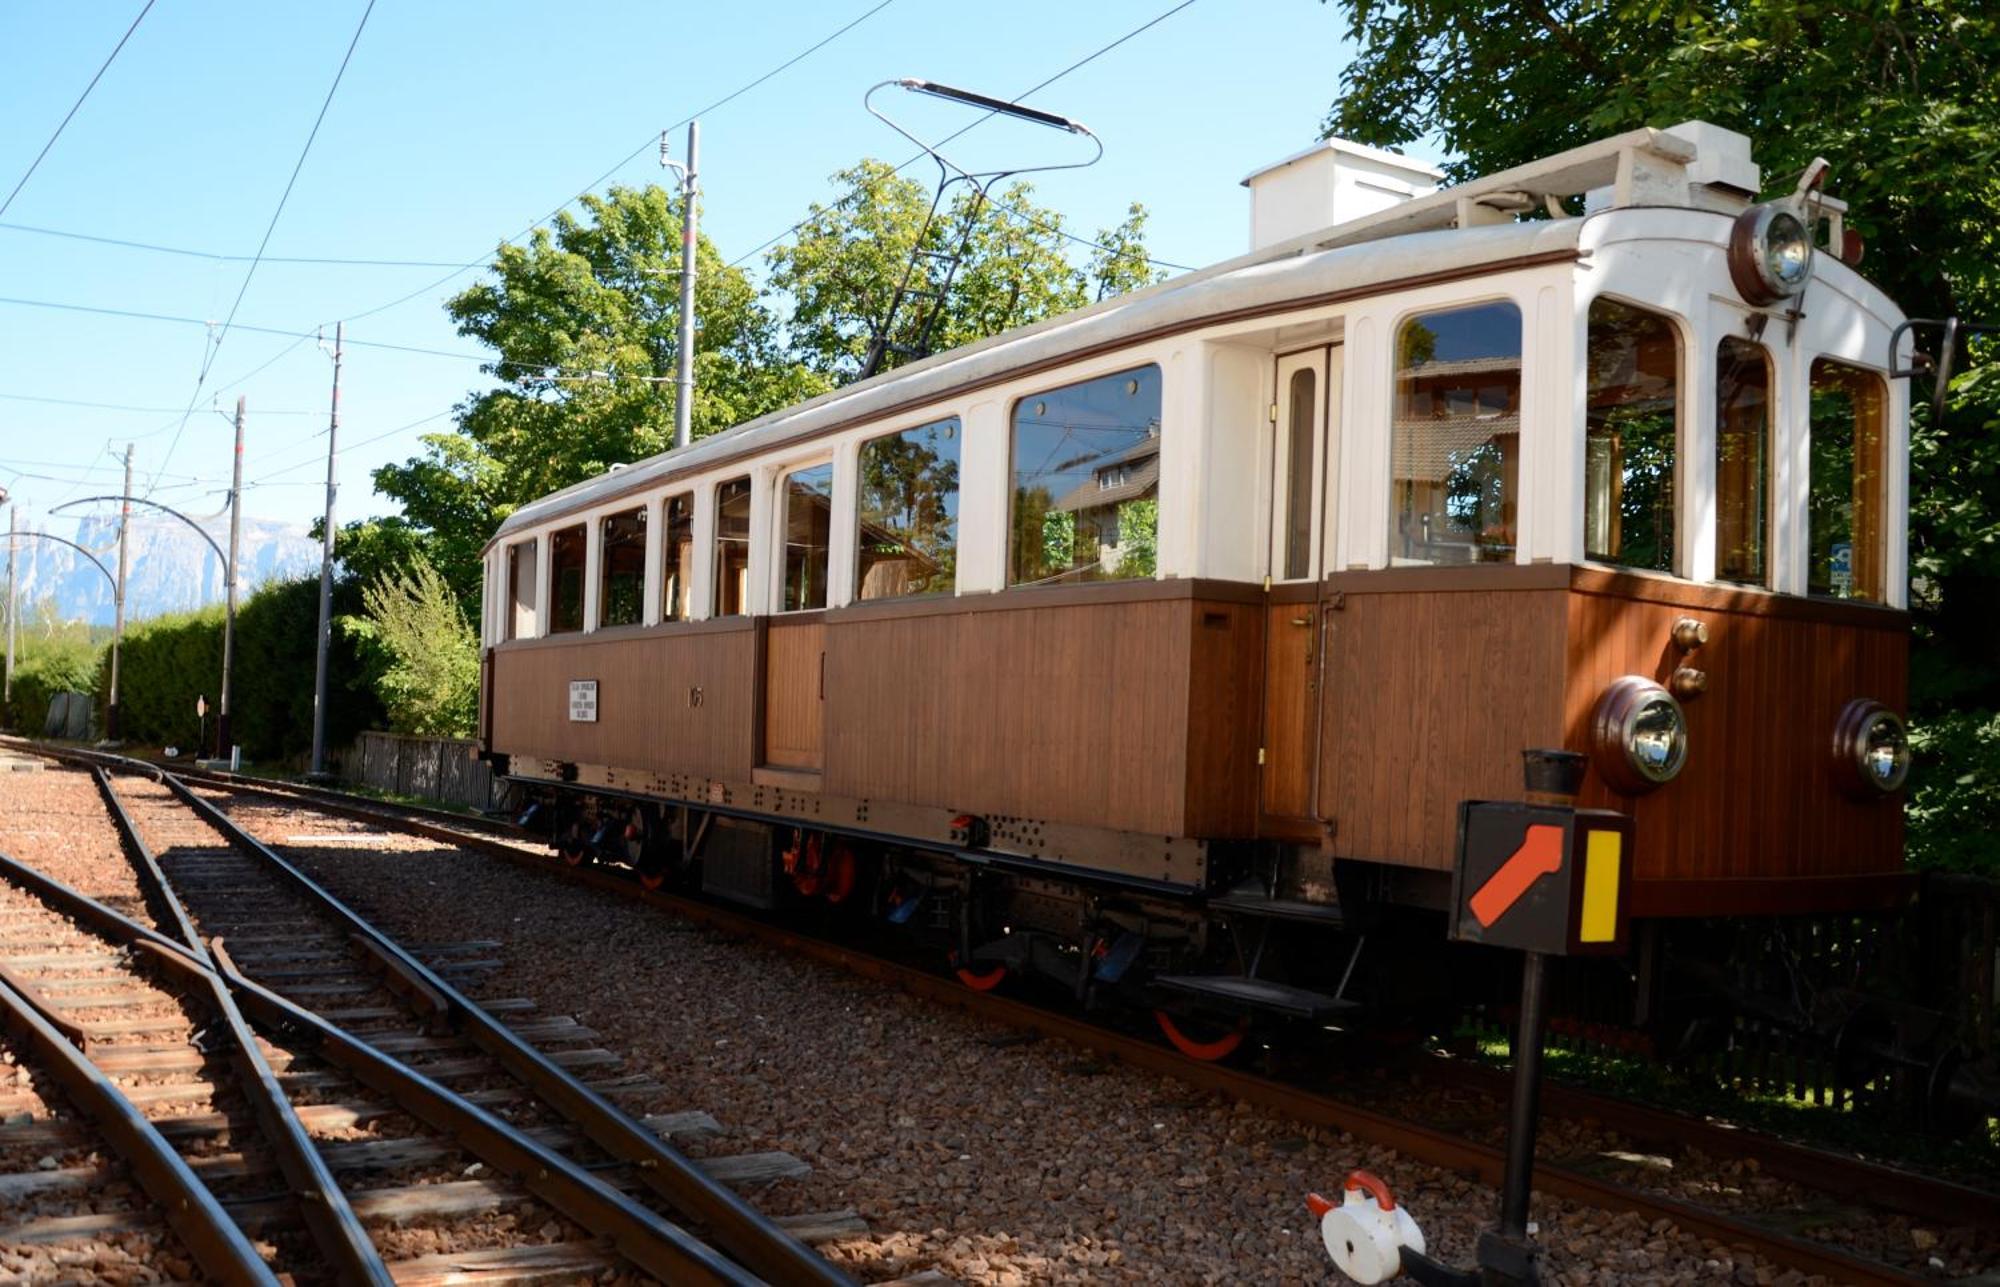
(1541, 854)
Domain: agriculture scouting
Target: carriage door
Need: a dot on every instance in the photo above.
(1292, 630)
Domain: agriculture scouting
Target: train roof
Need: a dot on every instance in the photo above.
(1397, 245)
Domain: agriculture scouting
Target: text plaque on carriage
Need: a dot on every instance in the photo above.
(583, 701)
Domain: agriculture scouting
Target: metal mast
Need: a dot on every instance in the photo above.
(13, 544)
(118, 598)
(222, 731)
(326, 568)
(690, 216)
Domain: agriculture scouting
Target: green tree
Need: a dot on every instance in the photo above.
(428, 656)
(583, 321)
(841, 272)
(1899, 95)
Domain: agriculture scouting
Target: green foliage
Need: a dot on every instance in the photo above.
(427, 672)
(1138, 538)
(50, 656)
(1955, 791)
(842, 270)
(168, 661)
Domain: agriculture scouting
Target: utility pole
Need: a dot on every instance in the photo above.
(222, 732)
(118, 598)
(684, 375)
(326, 568)
(13, 544)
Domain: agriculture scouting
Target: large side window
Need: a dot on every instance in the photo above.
(1455, 445)
(1631, 426)
(732, 547)
(566, 564)
(1845, 497)
(808, 499)
(1742, 462)
(1087, 481)
(677, 557)
(907, 515)
(621, 568)
(521, 589)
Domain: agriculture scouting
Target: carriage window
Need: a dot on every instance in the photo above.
(521, 589)
(1631, 422)
(1298, 477)
(677, 556)
(621, 568)
(566, 580)
(1087, 481)
(732, 547)
(1742, 461)
(907, 516)
(808, 497)
(1845, 498)
(1455, 445)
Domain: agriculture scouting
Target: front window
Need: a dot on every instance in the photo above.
(677, 557)
(1087, 481)
(1845, 500)
(808, 497)
(566, 564)
(621, 569)
(732, 547)
(907, 515)
(1455, 444)
(1632, 422)
(1742, 462)
(521, 589)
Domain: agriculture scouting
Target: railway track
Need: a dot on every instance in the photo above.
(1836, 1175)
(375, 1111)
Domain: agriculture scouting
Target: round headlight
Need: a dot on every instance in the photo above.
(1639, 735)
(1871, 749)
(1770, 254)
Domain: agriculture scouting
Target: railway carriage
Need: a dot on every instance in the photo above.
(1152, 648)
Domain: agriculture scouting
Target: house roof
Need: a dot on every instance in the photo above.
(1089, 494)
(1426, 450)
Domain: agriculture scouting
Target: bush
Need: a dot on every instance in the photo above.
(428, 657)
(1954, 807)
(41, 670)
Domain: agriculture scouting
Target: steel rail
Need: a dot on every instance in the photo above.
(191, 1210)
(649, 1241)
(329, 1217)
(742, 1230)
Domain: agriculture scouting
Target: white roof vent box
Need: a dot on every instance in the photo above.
(1330, 183)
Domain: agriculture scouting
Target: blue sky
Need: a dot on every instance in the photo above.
(459, 125)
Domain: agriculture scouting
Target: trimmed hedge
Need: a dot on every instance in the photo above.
(169, 661)
(41, 670)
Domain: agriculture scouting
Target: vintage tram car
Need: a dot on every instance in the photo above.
(1118, 647)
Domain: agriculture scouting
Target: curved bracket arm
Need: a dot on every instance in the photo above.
(993, 107)
(141, 500)
(95, 561)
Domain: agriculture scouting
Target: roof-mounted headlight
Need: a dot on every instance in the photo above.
(1871, 749)
(1770, 253)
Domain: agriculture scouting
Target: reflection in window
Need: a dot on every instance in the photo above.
(1845, 499)
(1630, 427)
(1087, 481)
(521, 589)
(808, 497)
(621, 569)
(1742, 461)
(907, 512)
(732, 547)
(566, 580)
(1455, 445)
(1298, 476)
(677, 556)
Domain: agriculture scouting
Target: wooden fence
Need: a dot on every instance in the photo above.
(446, 770)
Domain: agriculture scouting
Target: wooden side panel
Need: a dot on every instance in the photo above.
(1291, 694)
(673, 700)
(1430, 697)
(794, 681)
(1757, 798)
(1224, 688)
(1073, 713)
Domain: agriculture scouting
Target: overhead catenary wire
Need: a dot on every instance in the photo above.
(216, 257)
(126, 406)
(74, 107)
(215, 345)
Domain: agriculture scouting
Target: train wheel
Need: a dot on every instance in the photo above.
(978, 980)
(572, 844)
(841, 871)
(1197, 1045)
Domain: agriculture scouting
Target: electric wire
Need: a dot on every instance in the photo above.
(1085, 61)
(215, 257)
(265, 479)
(215, 346)
(74, 107)
(125, 406)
